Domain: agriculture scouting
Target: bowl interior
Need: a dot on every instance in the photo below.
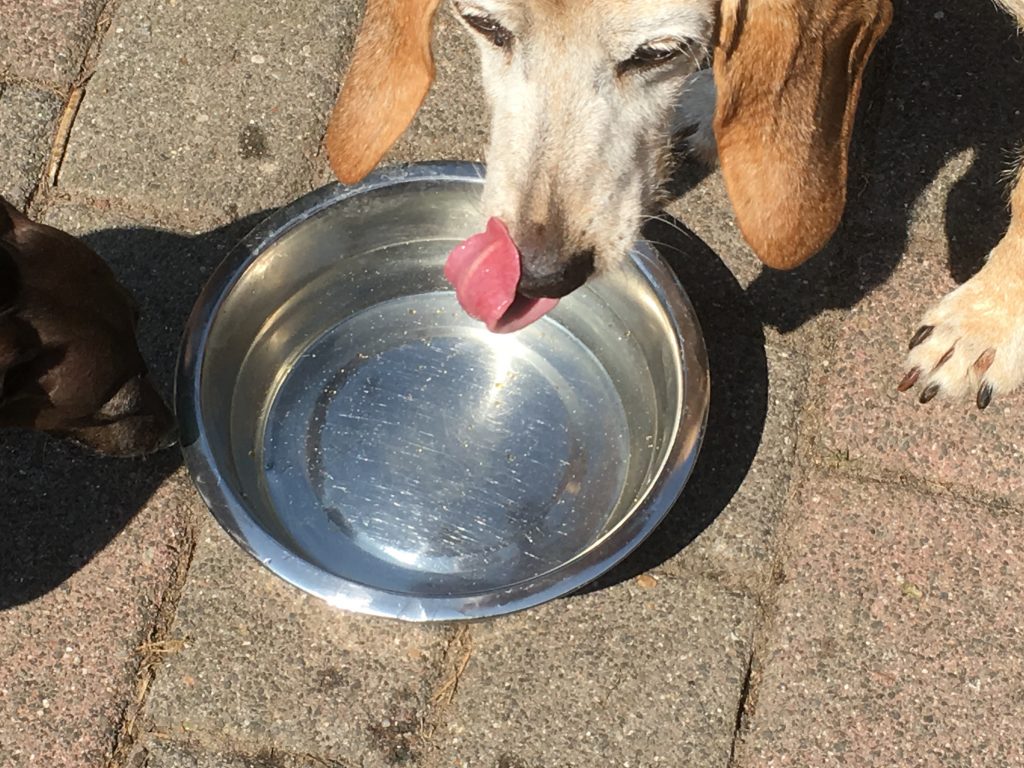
(381, 435)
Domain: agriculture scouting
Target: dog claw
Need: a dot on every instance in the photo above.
(929, 392)
(909, 380)
(921, 334)
(984, 396)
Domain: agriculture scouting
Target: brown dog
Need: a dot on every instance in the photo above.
(69, 362)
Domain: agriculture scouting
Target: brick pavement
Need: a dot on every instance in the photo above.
(838, 586)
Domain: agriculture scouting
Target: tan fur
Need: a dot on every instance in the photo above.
(977, 336)
(788, 75)
(390, 74)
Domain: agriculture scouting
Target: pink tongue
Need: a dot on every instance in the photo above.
(485, 272)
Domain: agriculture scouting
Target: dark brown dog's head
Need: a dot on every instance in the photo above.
(69, 362)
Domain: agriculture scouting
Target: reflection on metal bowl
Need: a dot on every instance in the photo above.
(366, 440)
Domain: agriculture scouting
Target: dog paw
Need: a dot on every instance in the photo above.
(972, 341)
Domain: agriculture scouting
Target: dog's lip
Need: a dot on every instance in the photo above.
(485, 271)
(522, 312)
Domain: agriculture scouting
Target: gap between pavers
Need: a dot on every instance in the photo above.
(645, 673)
(212, 110)
(264, 666)
(27, 120)
(215, 112)
(162, 754)
(894, 637)
(738, 546)
(870, 427)
(46, 42)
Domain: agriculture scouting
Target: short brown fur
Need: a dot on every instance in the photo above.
(390, 74)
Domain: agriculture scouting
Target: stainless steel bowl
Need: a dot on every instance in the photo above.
(368, 442)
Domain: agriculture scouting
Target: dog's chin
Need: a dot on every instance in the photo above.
(618, 251)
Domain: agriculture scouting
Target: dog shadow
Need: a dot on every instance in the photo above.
(946, 79)
(62, 504)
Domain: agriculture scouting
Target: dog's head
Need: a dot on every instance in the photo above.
(582, 94)
(69, 362)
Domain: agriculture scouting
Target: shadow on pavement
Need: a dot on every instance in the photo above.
(61, 504)
(946, 79)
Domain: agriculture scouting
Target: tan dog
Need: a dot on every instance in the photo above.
(583, 96)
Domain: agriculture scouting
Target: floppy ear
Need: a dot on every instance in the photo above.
(391, 71)
(788, 75)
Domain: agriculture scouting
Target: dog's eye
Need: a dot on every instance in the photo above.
(648, 57)
(489, 28)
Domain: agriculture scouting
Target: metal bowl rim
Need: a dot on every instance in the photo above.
(232, 514)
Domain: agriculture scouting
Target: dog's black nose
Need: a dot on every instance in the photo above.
(563, 278)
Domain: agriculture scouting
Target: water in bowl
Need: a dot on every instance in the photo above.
(408, 446)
